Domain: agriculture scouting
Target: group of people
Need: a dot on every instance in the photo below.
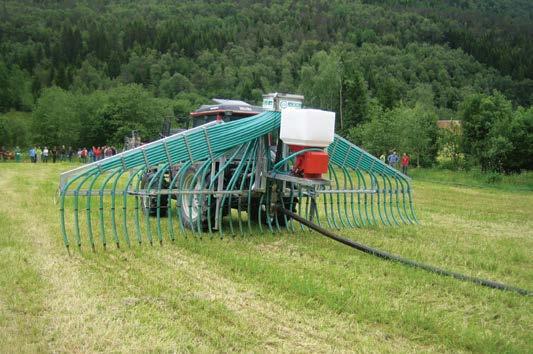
(394, 160)
(46, 154)
(95, 153)
(58, 154)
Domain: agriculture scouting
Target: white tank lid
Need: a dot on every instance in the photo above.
(307, 127)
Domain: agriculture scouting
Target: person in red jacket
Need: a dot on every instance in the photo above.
(405, 163)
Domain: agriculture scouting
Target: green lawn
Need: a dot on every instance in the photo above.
(285, 292)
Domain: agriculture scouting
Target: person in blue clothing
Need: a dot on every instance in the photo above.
(33, 154)
(393, 159)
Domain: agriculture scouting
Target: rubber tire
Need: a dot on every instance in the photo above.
(150, 202)
(192, 222)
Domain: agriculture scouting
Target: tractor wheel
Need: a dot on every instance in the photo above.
(149, 202)
(195, 211)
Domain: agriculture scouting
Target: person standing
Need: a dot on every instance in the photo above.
(90, 154)
(405, 163)
(390, 159)
(45, 154)
(99, 153)
(382, 157)
(62, 153)
(33, 154)
(17, 154)
(39, 154)
(54, 154)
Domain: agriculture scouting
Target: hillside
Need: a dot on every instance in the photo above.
(229, 49)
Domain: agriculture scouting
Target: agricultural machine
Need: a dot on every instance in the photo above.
(242, 169)
(239, 169)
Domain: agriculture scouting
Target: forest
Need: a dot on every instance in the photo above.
(85, 73)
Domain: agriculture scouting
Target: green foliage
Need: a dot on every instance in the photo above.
(354, 107)
(15, 88)
(241, 51)
(55, 121)
(520, 132)
(131, 108)
(103, 117)
(411, 130)
(449, 142)
(184, 104)
(362, 60)
(88, 110)
(494, 135)
(170, 86)
(15, 129)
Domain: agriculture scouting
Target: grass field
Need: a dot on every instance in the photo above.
(285, 292)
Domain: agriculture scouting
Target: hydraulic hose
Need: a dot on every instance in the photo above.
(409, 262)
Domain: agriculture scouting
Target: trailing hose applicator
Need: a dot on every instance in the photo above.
(226, 174)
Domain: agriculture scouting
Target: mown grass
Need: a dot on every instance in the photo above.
(282, 292)
(516, 182)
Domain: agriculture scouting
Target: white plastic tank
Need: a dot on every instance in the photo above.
(307, 127)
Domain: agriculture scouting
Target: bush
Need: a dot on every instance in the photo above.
(495, 136)
(102, 117)
(412, 130)
(492, 177)
(15, 129)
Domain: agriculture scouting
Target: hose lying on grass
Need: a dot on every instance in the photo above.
(392, 257)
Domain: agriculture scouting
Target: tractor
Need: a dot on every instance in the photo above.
(194, 210)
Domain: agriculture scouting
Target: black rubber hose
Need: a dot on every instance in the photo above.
(392, 257)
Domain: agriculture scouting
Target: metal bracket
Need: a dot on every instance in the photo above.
(123, 163)
(298, 180)
(347, 155)
(220, 187)
(359, 161)
(145, 158)
(186, 141)
(208, 142)
(167, 152)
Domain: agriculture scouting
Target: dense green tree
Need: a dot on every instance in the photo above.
(494, 135)
(170, 86)
(15, 88)
(450, 149)
(403, 129)
(131, 108)
(55, 121)
(15, 130)
(87, 110)
(520, 132)
(354, 105)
